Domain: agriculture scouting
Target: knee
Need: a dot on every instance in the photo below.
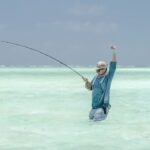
(91, 116)
(99, 115)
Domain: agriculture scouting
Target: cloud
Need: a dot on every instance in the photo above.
(82, 10)
(91, 27)
(82, 27)
(90, 14)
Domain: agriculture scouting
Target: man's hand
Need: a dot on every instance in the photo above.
(113, 47)
(88, 84)
(85, 79)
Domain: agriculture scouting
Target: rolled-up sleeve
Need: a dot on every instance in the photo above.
(112, 69)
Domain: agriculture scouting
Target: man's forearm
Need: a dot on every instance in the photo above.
(114, 55)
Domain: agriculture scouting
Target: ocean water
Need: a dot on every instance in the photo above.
(47, 109)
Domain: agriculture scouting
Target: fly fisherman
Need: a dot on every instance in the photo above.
(100, 86)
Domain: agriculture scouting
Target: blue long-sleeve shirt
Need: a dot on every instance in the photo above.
(101, 88)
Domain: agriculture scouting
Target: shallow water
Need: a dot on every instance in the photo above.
(47, 109)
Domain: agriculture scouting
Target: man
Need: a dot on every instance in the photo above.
(100, 86)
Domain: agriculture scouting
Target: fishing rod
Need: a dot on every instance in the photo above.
(38, 51)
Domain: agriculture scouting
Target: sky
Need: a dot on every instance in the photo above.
(78, 32)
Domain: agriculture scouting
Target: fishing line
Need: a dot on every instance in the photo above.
(51, 57)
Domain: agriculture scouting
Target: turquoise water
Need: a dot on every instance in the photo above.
(47, 109)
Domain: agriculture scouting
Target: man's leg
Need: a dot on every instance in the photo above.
(91, 114)
(99, 115)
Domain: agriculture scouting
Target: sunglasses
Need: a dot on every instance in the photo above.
(98, 70)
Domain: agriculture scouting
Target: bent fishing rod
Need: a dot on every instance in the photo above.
(51, 57)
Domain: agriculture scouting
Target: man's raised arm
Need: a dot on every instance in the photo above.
(112, 66)
(114, 57)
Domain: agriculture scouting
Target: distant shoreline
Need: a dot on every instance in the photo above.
(90, 67)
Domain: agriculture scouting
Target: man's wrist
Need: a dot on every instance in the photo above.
(114, 52)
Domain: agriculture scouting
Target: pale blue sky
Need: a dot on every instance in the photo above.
(79, 32)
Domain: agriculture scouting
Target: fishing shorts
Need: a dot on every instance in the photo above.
(97, 114)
